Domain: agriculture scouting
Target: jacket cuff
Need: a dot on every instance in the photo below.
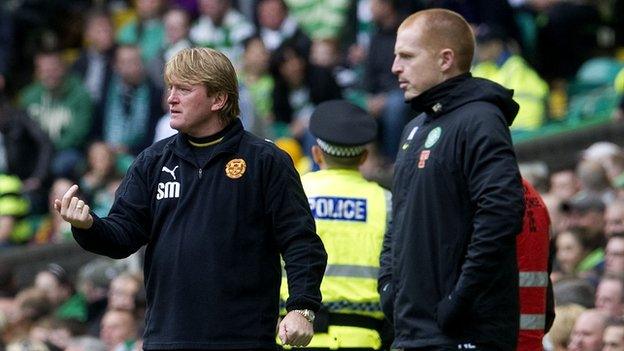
(302, 304)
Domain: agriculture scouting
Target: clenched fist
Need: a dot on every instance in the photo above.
(73, 210)
(295, 330)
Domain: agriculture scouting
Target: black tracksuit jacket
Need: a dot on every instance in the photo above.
(212, 264)
(448, 274)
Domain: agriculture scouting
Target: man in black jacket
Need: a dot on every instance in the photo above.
(216, 207)
(449, 277)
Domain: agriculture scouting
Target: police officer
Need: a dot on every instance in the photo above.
(351, 215)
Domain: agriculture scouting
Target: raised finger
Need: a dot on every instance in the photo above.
(85, 212)
(68, 196)
(72, 206)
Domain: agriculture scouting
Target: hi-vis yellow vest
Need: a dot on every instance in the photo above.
(530, 91)
(351, 217)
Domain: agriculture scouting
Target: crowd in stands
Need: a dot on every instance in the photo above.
(82, 93)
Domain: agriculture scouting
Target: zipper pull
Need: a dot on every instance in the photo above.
(200, 173)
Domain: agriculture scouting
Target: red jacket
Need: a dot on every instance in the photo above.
(536, 307)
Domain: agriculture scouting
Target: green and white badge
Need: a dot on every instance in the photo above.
(433, 137)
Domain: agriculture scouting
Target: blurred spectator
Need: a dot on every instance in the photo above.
(53, 229)
(559, 335)
(275, 27)
(535, 173)
(614, 254)
(125, 292)
(53, 332)
(21, 136)
(254, 74)
(14, 207)
(177, 26)
(566, 36)
(574, 290)
(573, 249)
(585, 211)
(609, 155)
(386, 101)
(326, 53)
(595, 180)
(587, 332)
(146, 31)
(564, 184)
(610, 295)
(221, 27)
(118, 331)
(132, 105)
(28, 345)
(321, 19)
(55, 282)
(62, 107)
(614, 217)
(613, 336)
(94, 279)
(497, 61)
(558, 221)
(299, 87)
(85, 343)
(29, 306)
(101, 179)
(94, 65)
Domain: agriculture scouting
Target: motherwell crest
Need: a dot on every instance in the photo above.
(235, 168)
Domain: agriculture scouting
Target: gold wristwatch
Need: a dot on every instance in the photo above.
(307, 314)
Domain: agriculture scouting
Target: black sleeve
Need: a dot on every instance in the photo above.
(495, 187)
(301, 248)
(126, 228)
(384, 282)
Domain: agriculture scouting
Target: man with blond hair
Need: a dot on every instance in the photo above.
(216, 208)
(449, 276)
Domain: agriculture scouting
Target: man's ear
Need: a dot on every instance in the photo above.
(446, 59)
(220, 99)
(363, 157)
(317, 155)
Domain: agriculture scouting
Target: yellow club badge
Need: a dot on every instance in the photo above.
(235, 168)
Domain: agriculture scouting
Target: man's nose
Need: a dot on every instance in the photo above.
(396, 68)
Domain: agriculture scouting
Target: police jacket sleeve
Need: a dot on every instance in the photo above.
(301, 248)
(495, 190)
(126, 228)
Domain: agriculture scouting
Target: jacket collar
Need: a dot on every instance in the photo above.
(229, 145)
(435, 100)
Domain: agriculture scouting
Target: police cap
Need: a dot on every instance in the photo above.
(342, 128)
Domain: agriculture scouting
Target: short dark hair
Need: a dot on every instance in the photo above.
(342, 162)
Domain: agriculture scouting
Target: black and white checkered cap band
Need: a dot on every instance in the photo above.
(340, 151)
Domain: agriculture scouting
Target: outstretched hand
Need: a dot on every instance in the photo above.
(295, 330)
(73, 210)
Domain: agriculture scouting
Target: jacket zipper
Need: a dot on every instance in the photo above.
(200, 173)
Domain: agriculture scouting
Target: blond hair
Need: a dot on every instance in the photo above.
(565, 317)
(210, 68)
(445, 29)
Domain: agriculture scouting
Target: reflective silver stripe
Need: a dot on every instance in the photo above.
(532, 321)
(533, 279)
(388, 196)
(340, 270)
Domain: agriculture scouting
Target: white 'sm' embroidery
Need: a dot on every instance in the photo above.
(170, 171)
